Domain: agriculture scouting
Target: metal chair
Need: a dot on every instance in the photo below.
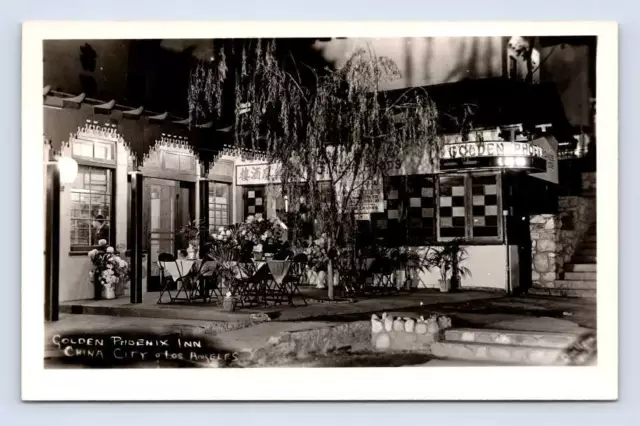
(182, 282)
(166, 281)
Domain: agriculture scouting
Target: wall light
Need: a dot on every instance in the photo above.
(520, 161)
(68, 168)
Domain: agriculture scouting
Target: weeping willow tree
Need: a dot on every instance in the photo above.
(334, 134)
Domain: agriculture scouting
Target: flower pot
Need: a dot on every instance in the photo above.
(191, 252)
(321, 279)
(445, 286)
(108, 292)
(401, 278)
(229, 304)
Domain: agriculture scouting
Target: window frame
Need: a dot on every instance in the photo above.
(83, 249)
(211, 193)
(468, 194)
(96, 163)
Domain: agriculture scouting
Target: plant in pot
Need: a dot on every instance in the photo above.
(109, 270)
(448, 259)
(190, 234)
(406, 262)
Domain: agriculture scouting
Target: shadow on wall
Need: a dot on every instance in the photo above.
(427, 60)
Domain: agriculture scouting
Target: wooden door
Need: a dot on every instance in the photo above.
(160, 222)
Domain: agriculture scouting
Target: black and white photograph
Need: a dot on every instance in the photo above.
(349, 202)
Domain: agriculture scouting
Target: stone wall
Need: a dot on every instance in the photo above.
(555, 237)
(406, 333)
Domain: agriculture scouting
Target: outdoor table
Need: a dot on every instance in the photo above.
(274, 281)
(180, 271)
(180, 268)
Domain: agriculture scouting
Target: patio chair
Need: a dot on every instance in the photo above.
(182, 281)
(166, 280)
(296, 277)
(382, 271)
(207, 277)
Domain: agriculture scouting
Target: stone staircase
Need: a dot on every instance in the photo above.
(505, 346)
(579, 278)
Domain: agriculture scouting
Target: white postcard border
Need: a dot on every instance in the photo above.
(330, 384)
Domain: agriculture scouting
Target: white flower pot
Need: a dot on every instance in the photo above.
(108, 292)
(191, 252)
(445, 286)
(321, 279)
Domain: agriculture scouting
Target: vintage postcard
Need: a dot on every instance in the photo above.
(319, 211)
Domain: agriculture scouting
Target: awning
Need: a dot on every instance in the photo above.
(139, 131)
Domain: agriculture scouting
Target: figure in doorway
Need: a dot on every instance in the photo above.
(100, 230)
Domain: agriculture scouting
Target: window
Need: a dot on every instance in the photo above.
(409, 216)
(469, 207)
(91, 207)
(219, 203)
(97, 150)
(254, 201)
(423, 209)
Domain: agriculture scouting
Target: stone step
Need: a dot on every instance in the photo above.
(580, 267)
(510, 354)
(581, 276)
(511, 337)
(585, 293)
(583, 259)
(574, 284)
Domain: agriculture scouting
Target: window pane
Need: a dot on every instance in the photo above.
(485, 206)
(80, 232)
(90, 206)
(452, 207)
(103, 151)
(82, 148)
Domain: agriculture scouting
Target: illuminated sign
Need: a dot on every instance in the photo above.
(493, 155)
(491, 149)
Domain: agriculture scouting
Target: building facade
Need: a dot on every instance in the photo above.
(490, 187)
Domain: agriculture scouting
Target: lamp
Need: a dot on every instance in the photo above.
(68, 168)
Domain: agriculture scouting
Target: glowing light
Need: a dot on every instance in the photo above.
(500, 161)
(68, 168)
(520, 161)
(508, 161)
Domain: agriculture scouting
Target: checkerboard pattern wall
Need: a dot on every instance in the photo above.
(451, 206)
(254, 201)
(409, 215)
(484, 194)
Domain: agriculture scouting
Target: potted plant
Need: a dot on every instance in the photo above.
(406, 262)
(229, 302)
(448, 259)
(191, 234)
(109, 270)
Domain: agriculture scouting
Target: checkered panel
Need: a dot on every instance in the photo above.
(254, 202)
(421, 209)
(452, 207)
(484, 195)
(409, 215)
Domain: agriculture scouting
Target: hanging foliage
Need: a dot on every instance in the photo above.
(336, 127)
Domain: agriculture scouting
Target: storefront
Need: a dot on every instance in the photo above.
(469, 193)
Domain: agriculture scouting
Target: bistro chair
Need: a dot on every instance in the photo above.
(177, 276)
(296, 277)
(166, 280)
(382, 274)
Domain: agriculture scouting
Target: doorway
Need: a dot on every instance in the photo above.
(167, 206)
